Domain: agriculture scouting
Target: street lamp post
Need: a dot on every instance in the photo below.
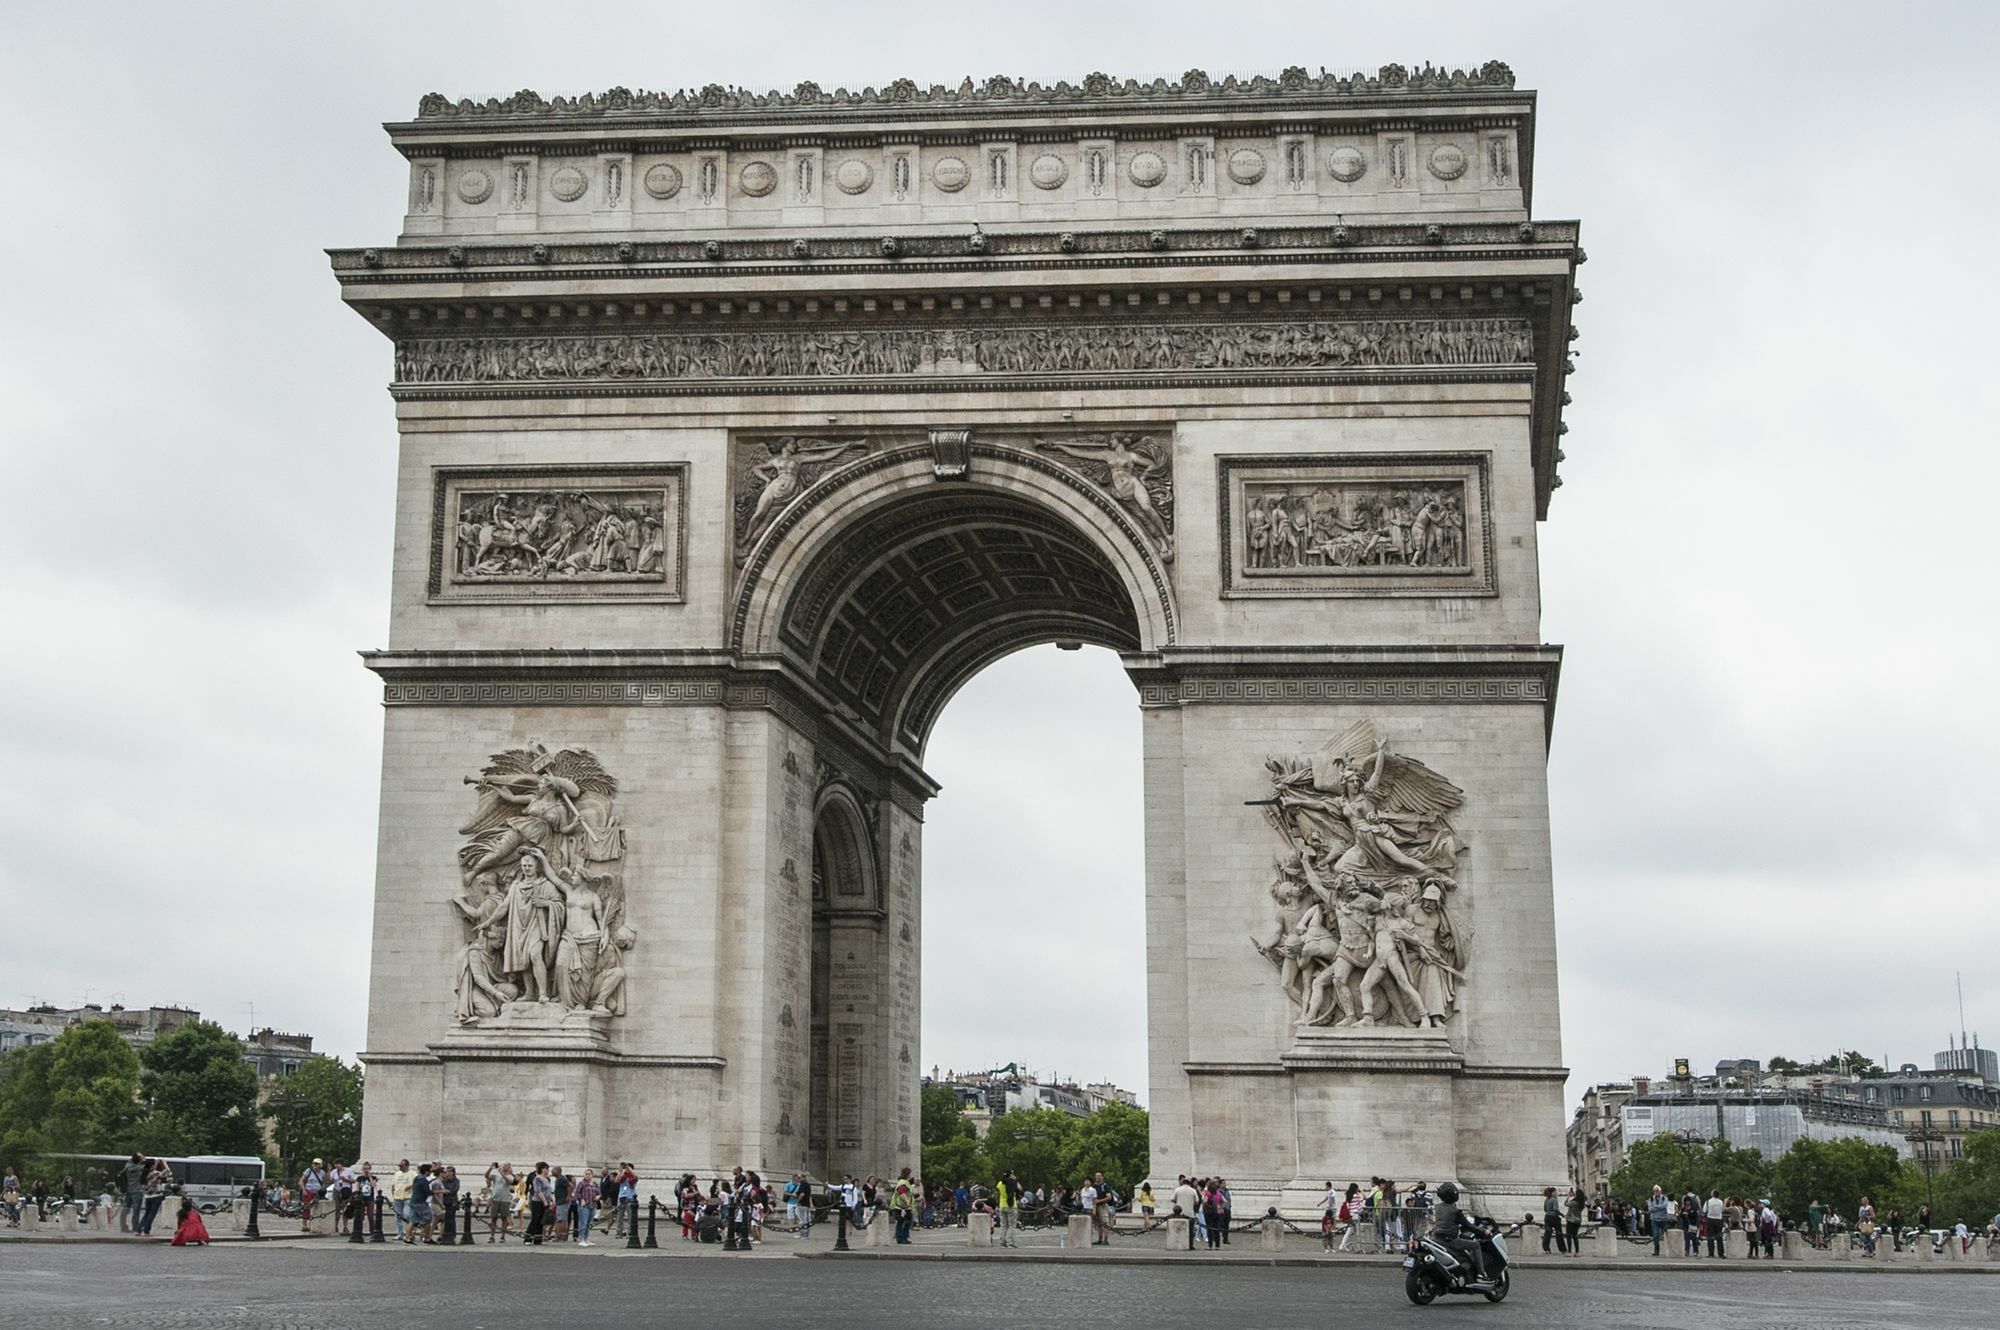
(1928, 1137)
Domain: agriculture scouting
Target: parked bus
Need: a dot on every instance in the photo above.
(210, 1181)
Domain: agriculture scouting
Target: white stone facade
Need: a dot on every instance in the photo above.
(763, 709)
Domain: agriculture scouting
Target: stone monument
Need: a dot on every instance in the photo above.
(739, 430)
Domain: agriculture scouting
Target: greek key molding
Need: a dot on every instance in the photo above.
(1185, 692)
(549, 692)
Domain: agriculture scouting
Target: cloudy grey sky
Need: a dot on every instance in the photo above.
(1772, 564)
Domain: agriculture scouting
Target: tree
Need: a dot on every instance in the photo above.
(316, 1113)
(1837, 1174)
(1970, 1189)
(1678, 1167)
(201, 1092)
(24, 1105)
(94, 1088)
(960, 1159)
(1033, 1143)
(1116, 1141)
(943, 1115)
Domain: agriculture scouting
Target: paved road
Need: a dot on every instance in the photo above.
(389, 1288)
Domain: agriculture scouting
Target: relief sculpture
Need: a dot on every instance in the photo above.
(1138, 471)
(771, 474)
(543, 890)
(1347, 526)
(1363, 934)
(574, 535)
(1069, 348)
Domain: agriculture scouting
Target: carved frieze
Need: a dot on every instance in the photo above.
(1135, 469)
(1356, 525)
(516, 533)
(1363, 933)
(542, 888)
(974, 349)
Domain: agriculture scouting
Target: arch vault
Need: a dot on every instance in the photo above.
(737, 434)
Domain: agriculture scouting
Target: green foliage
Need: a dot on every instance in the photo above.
(79, 1092)
(1033, 1142)
(1848, 1061)
(1969, 1189)
(1678, 1168)
(1116, 1141)
(943, 1115)
(316, 1114)
(1837, 1174)
(960, 1159)
(199, 1088)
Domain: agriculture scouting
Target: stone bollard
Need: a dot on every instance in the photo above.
(1953, 1250)
(66, 1218)
(1273, 1236)
(1839, 1246)
(1076, 1233)
(1177, 1236)
(1736, 1244)
(879, 1231)
(1604, 1243)
(1923, 1251)
(1794, 1248)
(979, 1229)
(100, 1219)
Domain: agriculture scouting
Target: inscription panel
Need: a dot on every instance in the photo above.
(507, 534)
(1363, 525)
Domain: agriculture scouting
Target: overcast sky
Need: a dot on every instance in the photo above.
(1772, 564)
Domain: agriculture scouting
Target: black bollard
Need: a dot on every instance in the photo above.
(375, 1227)
(840, 1234)
(742, 1228)
(652, 1217)
(465, 1236)
(250, 1229)
(632, 1224)
(357, 1219)
(729, 1226)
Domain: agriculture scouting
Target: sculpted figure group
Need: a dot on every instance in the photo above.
(543, 899)
(1363, 934)
(567, 534)
(812, 353)
(1354, 526)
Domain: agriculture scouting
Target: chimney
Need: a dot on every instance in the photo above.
(1640, 1085)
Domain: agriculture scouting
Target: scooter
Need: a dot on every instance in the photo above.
(1433, 1269)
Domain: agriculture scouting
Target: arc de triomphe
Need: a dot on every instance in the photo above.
(738, 431)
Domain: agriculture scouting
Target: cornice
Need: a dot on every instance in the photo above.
(465, 259)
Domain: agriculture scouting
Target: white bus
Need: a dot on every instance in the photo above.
(211, 1181)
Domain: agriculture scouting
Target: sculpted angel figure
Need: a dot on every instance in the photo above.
(782, 481)
(1128, 462)
(1389, 811)
(529, 799)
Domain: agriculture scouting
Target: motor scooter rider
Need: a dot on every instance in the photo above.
(1453, 1227)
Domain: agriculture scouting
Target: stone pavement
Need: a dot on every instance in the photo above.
(319, 1285)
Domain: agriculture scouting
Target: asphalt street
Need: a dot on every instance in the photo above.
(100, 1284)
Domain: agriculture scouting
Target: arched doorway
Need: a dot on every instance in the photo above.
(891, 589)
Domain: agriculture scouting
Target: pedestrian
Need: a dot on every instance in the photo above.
(903, 1206)
(1146, 1206)
(559, 1209)
(1659, 1214)
(499, 1202)
(1552, 1229)
(417, 1210)
(1573, 1219)
(133, 1176)
(1007, 1202)
(1352, 1206)
(1103, 1208)
(1329, 1216)
(1864, 1225)
(584, 1197)
(189, 1231)
(541, 1200)
(401, 1183)
(1712, 1215)
(366, 1184)
(1767, 1230)
(1214, 1212)
(1690, 1217)
(340, 1181)
(1228, 1208)
(805, 1224)
(1187, 1205)
(159, 1181)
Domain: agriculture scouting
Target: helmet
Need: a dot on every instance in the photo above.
(1448, 1193)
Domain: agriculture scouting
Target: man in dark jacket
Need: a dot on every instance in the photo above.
(1453, 1227)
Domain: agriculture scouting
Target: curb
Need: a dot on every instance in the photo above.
(1060, 1256)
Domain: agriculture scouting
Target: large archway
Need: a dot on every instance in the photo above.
(739, 432)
